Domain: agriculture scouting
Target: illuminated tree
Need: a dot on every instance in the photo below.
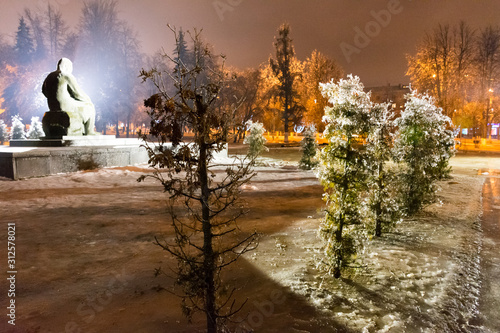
(108, 56)
(343, 170)
(424, 144)
(4, 134)
(470, 116)
(383, 191)
(272, 106)
(206, 236)
(22, 94)
(443, 65)
(309, 146)
(318, 68)
(17, 132)
(458, 66)
(36, 130)
(255, 139)
(488, 65)
(22, 71)
(245, 94)
(287, 76)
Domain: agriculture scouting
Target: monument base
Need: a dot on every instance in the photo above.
(72, 141)
(17, 162)
(25, 162)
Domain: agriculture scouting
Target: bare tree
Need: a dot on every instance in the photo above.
(108, 53)
(243, 94)
(443, 65)
(57, 33)
(488, 62)
(206, 235)
(36, 24)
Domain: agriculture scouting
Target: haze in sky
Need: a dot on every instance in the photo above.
(367, 38)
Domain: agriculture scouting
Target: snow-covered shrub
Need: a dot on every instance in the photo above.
(343, 170)
(309, 146)
(17, 131)
(255, 139)
(424, 144)
(36, 130)
(4, 133)
(382, 182)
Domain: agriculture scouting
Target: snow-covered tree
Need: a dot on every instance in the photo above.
(36, 130)
(4, 134)
(343, 170)
(17, 131)
(309, 146)
(382, 182)
(255, 139)
(424, 144)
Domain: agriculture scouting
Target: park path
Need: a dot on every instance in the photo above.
(489, 304)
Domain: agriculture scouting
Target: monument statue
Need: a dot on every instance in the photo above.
(71, 111)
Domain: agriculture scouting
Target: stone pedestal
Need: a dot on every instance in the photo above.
(47, 156)
(77, 141)
(26, 162)
(55, 124)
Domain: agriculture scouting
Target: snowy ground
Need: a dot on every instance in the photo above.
(86, 260)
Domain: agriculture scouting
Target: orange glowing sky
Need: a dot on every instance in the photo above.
(244, 29)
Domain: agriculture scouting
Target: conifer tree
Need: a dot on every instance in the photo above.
(36, 130)
(343, 170)
(309, 146)
(206, 236)
(17, 131)
(4, 134)
(181, 50)
(255, 139)
(424, 144)
(382, 182)
(287, 76)
(24, 43)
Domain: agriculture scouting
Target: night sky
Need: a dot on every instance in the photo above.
(244, 29)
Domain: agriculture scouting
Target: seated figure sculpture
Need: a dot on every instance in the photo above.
(65, 95)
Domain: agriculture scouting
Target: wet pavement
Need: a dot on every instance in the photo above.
(489, 306)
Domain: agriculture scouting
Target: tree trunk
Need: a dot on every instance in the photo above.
(208, 252)
(378, 207)
(285, 116)
(337, 271)
(117, 129)
(128, 125)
